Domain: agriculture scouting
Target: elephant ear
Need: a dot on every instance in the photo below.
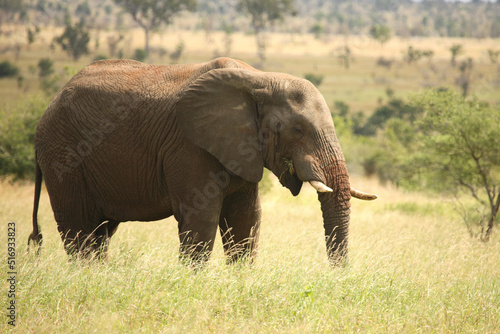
(218, 112)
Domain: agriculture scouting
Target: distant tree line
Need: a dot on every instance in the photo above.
(476, 19)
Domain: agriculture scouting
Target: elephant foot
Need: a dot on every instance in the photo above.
(91, 248)
(195, 255)
(240, 253)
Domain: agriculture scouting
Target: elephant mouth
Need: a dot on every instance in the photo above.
(295, 180)
(289, 178)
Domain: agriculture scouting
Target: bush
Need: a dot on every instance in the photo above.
(387, 63)
(380, 33)
(99, 57)
(178, 51)
(17, 132)
(316, 79)
(8, 70)
(140, 55)
(45, 67)
(317, 29)
(394, 108)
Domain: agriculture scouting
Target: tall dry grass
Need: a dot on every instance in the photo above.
(412, 268)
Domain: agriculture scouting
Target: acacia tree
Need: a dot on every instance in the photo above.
(263, 13)
(458, 149)
(74, 40)
(150, 14)
(455, 50)
(380, 33)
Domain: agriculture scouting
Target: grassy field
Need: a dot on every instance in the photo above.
(413, 269)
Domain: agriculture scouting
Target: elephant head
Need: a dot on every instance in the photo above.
(250, 119)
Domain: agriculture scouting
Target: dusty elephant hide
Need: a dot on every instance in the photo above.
(125, 141)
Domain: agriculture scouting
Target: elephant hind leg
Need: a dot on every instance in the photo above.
(102, 237)
(239, 224)
(90, 244)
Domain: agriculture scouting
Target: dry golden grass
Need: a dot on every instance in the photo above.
(412, 268)
(299, 45)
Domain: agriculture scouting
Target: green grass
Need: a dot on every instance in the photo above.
(407, 272)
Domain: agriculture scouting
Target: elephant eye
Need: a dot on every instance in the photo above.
(275, 124)
(298, 131)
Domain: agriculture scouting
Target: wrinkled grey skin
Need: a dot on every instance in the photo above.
(125, 141)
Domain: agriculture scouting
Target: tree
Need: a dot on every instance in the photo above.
(413, 55)
(17, 132)
(457, 149)
(465, 78)
(113, 41)
(10, 10)
(456, 50)
(74, 40)
(150, 14)
(263, 13)
(494, 55)
(380, 33)
(345, 56)
(31, 34)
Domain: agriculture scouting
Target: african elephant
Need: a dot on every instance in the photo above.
(125, 141)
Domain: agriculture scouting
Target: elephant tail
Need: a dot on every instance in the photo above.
(36, 236)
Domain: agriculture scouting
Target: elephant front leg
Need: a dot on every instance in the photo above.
(239, 224)
(197, 231)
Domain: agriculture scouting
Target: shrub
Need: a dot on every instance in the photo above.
(385, 62)
(394, 108)
(8, 70)
(17, 132)
(413, 55)
(316, 79)
(178, 51)
(380, 33)
(99, 57)
(45, 67)
(140, 55)
(317, 29)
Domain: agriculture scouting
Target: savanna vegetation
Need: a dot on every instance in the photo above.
(414, 91)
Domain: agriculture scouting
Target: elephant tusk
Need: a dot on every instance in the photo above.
(361, 195)
(320, 187)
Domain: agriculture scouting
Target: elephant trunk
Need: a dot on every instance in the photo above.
(326, 170)
(334, 194)
(335, 206)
